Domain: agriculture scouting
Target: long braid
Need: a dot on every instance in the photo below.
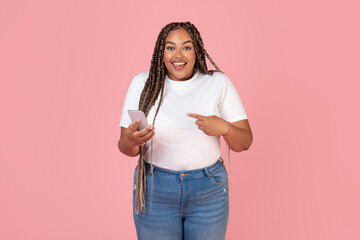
(155, 85)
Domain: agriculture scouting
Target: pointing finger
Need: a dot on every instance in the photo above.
(194, 115)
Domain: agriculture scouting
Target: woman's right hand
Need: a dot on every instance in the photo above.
(131, 139)
(137, 138)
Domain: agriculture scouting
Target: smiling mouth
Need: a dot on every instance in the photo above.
(178, 66)
(178, 63)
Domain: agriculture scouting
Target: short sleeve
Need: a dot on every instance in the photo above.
(132, 98)
(231, 107)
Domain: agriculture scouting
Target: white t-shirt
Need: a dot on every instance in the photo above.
(178, 144)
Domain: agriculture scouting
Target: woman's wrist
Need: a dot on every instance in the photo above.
(128, 149)
(228, 132)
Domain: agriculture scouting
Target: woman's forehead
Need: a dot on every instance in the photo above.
(179, 33)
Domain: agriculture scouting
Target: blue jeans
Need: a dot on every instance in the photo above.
(190, 205)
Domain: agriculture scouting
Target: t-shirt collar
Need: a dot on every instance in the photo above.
(184, 82)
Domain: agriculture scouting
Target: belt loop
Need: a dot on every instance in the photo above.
(153, 170)
(207, 173)
(221, 160)
(148, 169)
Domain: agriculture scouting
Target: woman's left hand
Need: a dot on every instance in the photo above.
(211, 125)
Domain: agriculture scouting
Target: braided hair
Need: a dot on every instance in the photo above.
(154, 87)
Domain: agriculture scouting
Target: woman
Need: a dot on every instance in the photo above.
(189, 107)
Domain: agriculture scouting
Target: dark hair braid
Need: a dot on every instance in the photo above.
(155, 86)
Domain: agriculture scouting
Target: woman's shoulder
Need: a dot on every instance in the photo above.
(217, 77)
(141, 77)
(139, 80)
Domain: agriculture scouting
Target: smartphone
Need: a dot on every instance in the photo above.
(136, 114)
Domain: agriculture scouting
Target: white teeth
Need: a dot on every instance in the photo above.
(178, 64)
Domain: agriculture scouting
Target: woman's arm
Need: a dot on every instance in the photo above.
(131, 139)
(239, 138)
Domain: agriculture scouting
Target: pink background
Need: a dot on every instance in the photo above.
(65, 67)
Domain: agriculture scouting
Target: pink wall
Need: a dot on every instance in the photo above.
(65, 67)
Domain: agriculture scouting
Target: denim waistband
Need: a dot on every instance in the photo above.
(185, 173)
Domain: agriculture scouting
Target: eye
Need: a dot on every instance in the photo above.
(187, 48)
(169, 48)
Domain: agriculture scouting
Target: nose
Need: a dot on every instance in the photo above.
(178, 52)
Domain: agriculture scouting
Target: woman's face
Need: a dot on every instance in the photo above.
(179, 55)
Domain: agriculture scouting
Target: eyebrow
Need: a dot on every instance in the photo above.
(182, 43)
